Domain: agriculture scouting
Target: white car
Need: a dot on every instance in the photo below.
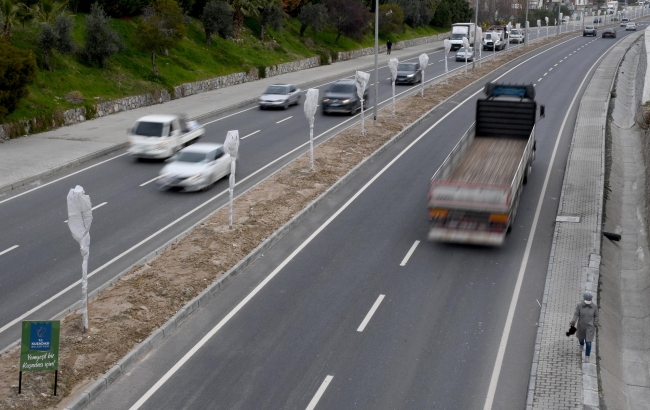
(280, 96)
(516, 36)
(461, 54)
(195, 168)
(624, 21)
(630, 26)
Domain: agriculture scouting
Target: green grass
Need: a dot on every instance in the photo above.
(130, 72)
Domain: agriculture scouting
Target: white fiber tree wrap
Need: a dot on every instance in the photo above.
(447, 45)
(466, 45)
(479, 35)
(231, 146)
(80, 217)
(392, 66)
(311, 104)
(361, 78)
(424, 60)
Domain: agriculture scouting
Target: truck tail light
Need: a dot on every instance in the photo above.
(438, 213)
(499, 218)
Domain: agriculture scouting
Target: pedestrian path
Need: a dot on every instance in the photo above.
(560, 379)
(27, 159)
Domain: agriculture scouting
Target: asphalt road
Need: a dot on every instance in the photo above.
(336, 322)
(40, 262)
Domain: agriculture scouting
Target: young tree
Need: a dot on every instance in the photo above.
(349, 17)
(9, 11)
(160, 28)
(244, 8)
(47, 41)
(271, 14)
(46, 11)
(417, 13)
(314, 15)
(217, 19)
(17, 71)
(391, 19)
(63, 27)
(101, 40)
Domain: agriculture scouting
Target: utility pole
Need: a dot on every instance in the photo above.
(526, 27)
(475, 35)
(374, 108)
(559, 19)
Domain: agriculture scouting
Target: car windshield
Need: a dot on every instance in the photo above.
(406, 67)
(276, 89)
(148, 129)
(488, 36)
(343, 88)
(589, 27)
(462, 49)
(514, 31)
(458, 36)
(185, 156)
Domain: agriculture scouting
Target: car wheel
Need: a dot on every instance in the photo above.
(286, 105)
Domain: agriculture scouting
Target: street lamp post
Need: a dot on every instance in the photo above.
(374, 108)
(475, 33)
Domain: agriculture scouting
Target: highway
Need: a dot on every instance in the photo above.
(350, 311)
(40, 262)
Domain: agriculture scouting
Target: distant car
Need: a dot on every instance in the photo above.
(280, 96)
(460, 54)
(342, 98)
(609, 32)
(195, 167)
(630, 26)
(598, 20)
(516, 36)
(408, 73)
(624, 21)
(589, 31)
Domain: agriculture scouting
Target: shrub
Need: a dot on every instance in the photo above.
(391, 19)
(314, 15)
(120, 8)
(324, 57)
(217, 19)
(17, 71)
(101, 40)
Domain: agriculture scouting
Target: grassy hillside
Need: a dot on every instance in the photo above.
(130, 72)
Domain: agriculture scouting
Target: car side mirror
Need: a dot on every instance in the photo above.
(542, 111)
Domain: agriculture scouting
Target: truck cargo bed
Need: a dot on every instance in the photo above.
(489, 160)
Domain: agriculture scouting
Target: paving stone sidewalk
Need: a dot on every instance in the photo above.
(559, 377)
(27, 159)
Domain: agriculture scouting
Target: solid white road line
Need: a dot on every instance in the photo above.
(288, 118)
(252, 133)
(92, 209)
(409, 253)
(155, 179)
(496, 371)
(10, 249)
(319, 393)
(59, 179)
(289, 258)
(370, 313)
(179, 219)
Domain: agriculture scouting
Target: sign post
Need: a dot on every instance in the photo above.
(39, 349)
(231, 146)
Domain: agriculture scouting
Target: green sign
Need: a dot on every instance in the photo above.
(39, 346)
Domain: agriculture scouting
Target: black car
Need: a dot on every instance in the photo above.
(609, 32)
(408, 73)
(342, 97)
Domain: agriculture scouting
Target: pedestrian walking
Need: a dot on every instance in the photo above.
(389, 45)
(586, 315)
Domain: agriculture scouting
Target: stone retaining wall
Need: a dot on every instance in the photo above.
(292, 66)
(349, 55)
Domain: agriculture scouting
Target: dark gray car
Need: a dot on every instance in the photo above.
(342, 98)
(408, 73)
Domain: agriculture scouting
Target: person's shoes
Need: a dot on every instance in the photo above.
(582, 347)
(587, 359)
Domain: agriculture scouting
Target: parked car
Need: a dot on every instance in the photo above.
(461, 53)
(342, 98)
(630, 26)
(161, 136)
(589, 31)
(408, 73)
(609, 32)
(517, 36)
(280, 96)
(624, 21)
(195, 168)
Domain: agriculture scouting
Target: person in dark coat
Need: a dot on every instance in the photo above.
(586, 315)
(389, 45)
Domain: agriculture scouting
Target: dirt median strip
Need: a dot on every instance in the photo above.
(164, 290)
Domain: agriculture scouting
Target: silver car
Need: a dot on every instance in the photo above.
(280, 96)
(461, 53)
(630, 26)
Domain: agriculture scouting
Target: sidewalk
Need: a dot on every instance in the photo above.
(559, 378)
(27, 159)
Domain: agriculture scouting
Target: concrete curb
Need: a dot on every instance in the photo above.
(589, 378)
(202, 117)
(206, 295)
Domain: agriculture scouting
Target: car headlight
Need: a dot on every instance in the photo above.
(411, 75)
(346, 101)
(194, 177)
(162, 144)
(326, 99)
